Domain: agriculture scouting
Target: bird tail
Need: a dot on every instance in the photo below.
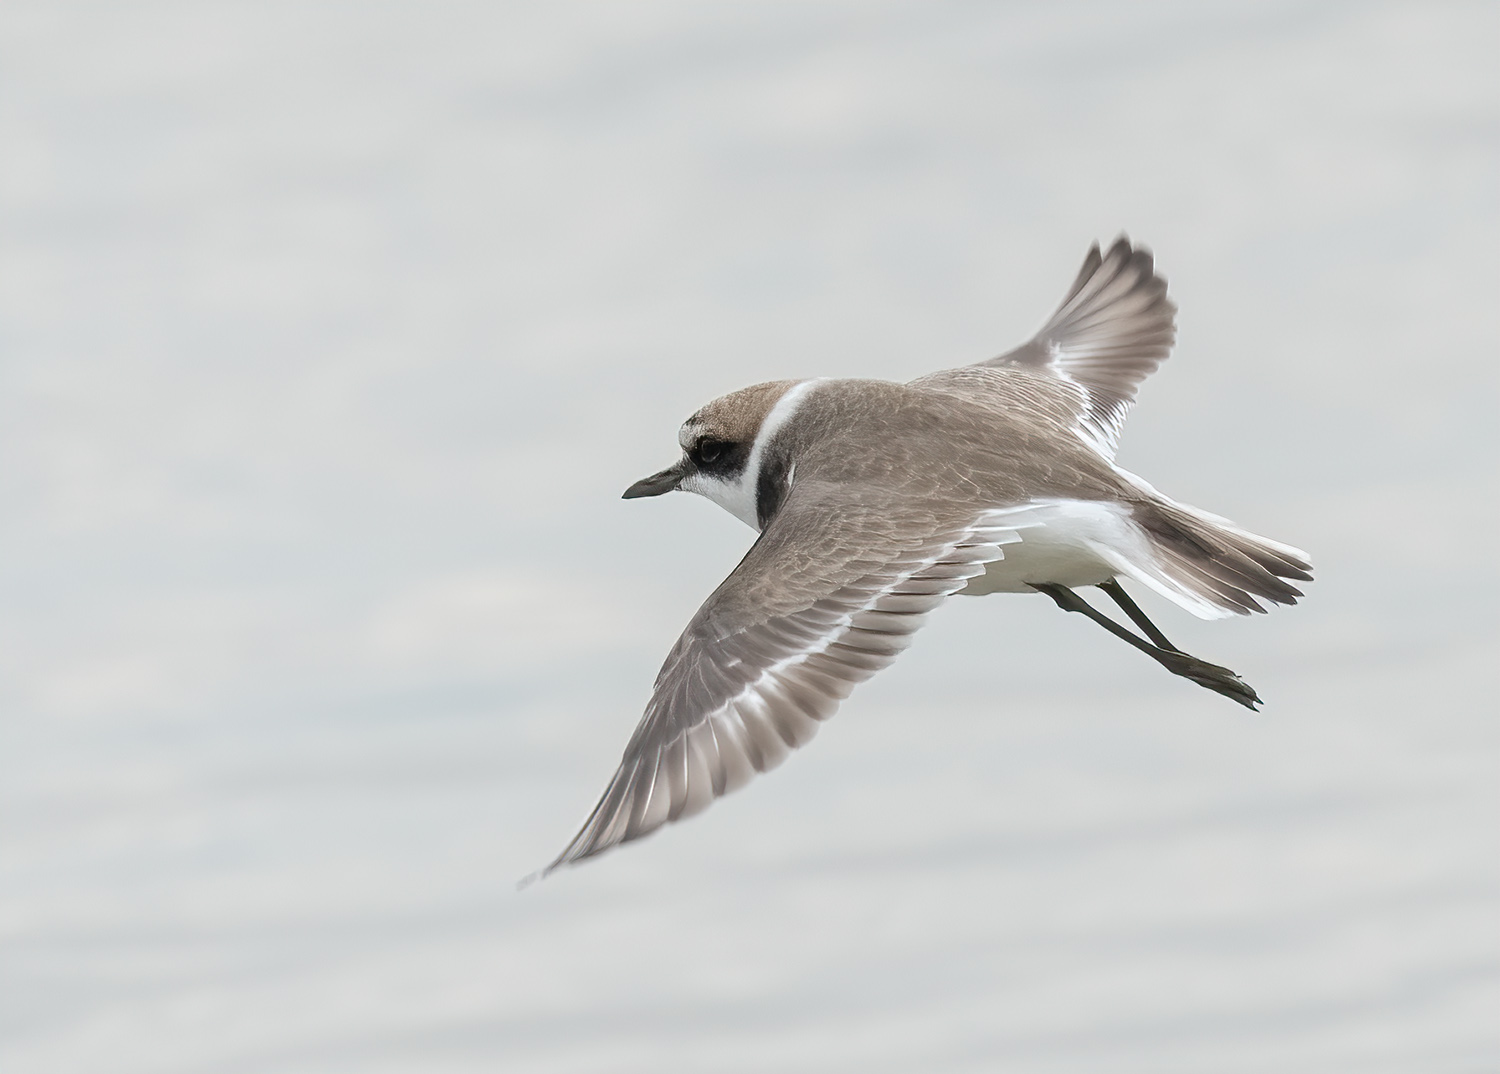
(1210, 566)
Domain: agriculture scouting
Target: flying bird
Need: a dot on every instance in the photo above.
(876, 501)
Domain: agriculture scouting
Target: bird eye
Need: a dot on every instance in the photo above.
(709, 452)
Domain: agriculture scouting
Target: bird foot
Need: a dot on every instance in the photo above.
(1210, 676)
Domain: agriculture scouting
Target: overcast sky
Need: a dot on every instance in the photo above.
(330, 334)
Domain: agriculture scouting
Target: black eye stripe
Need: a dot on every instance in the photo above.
(714, 454)
(710, 450)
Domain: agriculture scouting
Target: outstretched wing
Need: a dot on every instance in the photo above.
(774, 650)
(1112, 331)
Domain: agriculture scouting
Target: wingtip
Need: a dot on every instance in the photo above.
(1127, 251)
(537, 877)
(1122, 238)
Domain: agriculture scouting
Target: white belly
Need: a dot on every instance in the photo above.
(1068, 542)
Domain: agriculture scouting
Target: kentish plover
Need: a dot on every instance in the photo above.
(875, 501)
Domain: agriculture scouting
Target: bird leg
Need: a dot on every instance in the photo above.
(1117, 593)
(1210, 676)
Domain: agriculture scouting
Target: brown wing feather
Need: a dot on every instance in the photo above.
(1112, 331)
(771, 654)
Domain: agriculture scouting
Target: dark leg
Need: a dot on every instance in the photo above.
(1131, 608)
(1211, 676)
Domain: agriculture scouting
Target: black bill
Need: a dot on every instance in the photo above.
(665, 481)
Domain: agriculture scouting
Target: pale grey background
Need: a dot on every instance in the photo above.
(331, 333)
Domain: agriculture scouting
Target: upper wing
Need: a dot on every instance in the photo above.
(1111, 332)
(825, 599)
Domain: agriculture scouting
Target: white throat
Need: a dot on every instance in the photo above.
(738, 496)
